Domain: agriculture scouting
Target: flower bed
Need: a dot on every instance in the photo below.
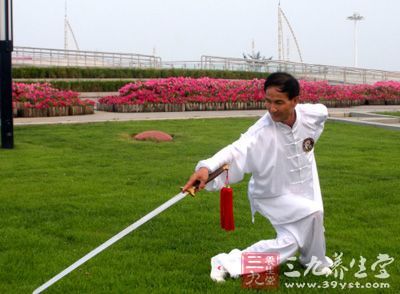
(185, 94)
(188, 94)
(382, 93)
(40, 99)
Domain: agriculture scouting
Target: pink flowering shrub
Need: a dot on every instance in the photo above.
(322, 91)
(187, 90)
(43, 95)
(388, 90)
(206, 90)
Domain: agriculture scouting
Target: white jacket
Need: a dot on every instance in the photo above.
(284, 186)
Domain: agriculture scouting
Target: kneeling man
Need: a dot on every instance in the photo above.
(278, 150)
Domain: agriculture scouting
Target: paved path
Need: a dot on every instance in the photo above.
(339, 114)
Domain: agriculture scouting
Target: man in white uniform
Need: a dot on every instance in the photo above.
(278, 150)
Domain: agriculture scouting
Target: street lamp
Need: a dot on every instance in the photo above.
(6, 47)
(355, 17)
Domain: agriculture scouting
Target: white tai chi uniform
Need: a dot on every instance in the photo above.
(284, 186)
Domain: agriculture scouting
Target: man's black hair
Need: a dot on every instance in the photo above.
(285, 82)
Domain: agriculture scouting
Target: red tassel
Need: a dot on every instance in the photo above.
(226, 209)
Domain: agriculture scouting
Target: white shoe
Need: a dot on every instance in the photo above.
(323, 271)
(218, 272)
(329, 261)
(326, 270)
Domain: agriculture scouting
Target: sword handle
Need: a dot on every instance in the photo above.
(211, 176)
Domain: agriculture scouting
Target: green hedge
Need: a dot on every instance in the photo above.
(125, 73)
(88, 86)
(94, 73)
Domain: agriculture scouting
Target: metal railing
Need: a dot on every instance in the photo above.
(334, 74)
(185, 64)
(60, 57)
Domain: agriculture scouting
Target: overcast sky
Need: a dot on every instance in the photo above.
(185, 30)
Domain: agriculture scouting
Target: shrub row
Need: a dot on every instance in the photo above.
(41, 99)
(183, 94)
(126, 73)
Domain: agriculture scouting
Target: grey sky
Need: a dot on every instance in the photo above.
(185, 30)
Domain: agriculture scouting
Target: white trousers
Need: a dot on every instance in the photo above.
(305, 236)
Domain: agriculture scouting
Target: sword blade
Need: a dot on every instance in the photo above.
(111, 241)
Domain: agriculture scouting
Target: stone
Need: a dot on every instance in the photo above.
(153, 135)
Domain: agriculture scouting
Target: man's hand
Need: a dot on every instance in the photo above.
(201, 175)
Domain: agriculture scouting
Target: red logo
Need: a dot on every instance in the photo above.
(260, 270)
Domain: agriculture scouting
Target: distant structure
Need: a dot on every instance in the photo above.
(68, 28)
(281, 46)
(254, 55)
(355, 17)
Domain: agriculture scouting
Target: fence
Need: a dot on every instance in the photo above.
(58, 57)
(333, 74)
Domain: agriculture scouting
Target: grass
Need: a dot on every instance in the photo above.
(393, 113)
(65, 189)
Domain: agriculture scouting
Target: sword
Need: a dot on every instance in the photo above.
(192, 190)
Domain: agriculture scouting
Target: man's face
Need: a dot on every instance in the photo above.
(279, 106)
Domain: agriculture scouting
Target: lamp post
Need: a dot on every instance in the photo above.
(6, 48)
(355, 17)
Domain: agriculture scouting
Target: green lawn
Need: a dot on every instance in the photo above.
(65, 189)
(393, 113)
